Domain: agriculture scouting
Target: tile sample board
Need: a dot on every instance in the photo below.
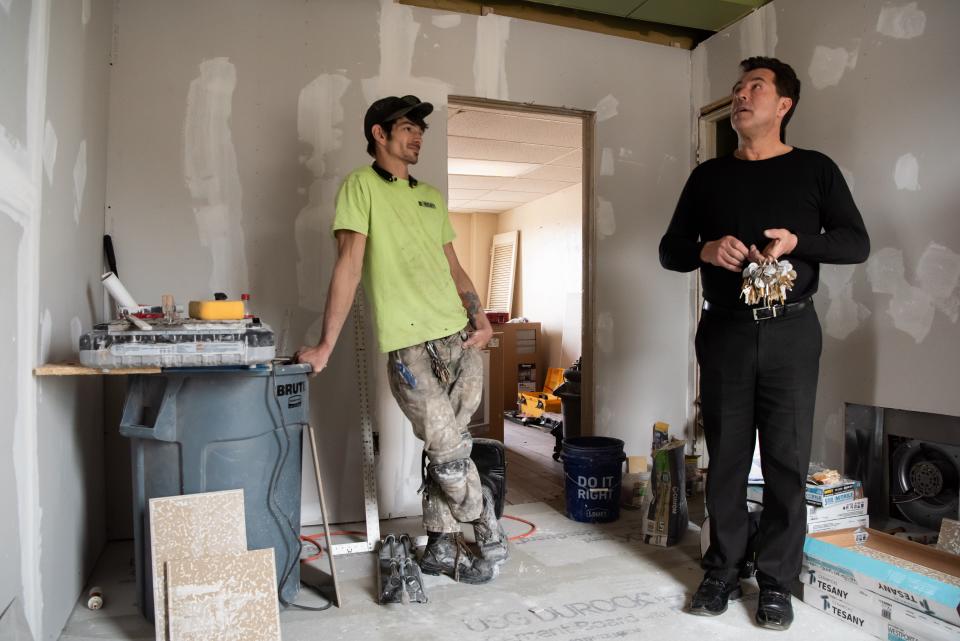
(192, 526)
(229, 597)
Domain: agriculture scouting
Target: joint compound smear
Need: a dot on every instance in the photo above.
(49, 150)
(912, 307)
(489, 60)
(902, 22)
(606, 162)
(606, 221)
(844, 315)
(79, 180)
(906, 173)
(319, 114)
(210, 170)
(398, 40)
(829, 64)
(607, 108)
(758, 33)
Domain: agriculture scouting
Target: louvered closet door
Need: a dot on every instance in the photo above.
(503, 267)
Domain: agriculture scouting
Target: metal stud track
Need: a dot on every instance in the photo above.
(368, 463)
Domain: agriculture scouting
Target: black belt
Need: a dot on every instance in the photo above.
(758, 313)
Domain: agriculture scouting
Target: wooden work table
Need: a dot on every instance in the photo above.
(76, 369)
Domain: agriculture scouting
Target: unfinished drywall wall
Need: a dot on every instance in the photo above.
(11, 235)
(877, 98)
(293, 84)
(22, 47)
(52, 180)
(550, 269)
(69, 409)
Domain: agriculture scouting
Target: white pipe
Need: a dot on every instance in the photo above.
(118, 291)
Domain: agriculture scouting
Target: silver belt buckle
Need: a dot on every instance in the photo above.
(764, 313)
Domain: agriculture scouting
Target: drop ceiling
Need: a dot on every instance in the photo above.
(499, 160)
(708, 15)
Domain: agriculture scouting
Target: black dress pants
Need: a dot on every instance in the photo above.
(758, 376)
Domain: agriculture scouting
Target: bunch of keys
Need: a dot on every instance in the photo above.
(767, 282)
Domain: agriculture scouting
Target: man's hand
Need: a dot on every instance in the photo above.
(479, 338)
(784, 242)
(317, 357)
(727, 252)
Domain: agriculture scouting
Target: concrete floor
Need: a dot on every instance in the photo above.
(567, 582)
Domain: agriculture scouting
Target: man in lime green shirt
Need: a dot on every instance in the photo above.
(394, 232)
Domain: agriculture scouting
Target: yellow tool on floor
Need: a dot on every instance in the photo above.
(534, 404)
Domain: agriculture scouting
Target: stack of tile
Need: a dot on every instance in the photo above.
(835, 506)
(888, 587)
(206, 585)
(830, 506)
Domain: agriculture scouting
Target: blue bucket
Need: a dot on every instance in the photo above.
(593, 467)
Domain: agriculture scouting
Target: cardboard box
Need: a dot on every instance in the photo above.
(857, 507)
(835, 553)
(838, 524)
(826, 495)
(825, 586)
(860, 619)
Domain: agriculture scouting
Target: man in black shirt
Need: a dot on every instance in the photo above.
(759, 363)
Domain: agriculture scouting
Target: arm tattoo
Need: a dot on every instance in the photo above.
(471, 302)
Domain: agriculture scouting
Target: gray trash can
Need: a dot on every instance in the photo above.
(209, 429)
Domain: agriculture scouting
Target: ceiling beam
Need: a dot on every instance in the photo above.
(656, 33)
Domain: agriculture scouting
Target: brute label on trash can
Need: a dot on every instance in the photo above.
(593, 467)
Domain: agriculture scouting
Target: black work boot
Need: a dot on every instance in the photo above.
(774, 610)
(447, 554)
(711, 597)
(491, 539)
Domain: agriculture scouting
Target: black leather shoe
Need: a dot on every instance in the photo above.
(711, 597)
(774, 610)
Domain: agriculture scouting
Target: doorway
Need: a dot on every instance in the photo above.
(520, 193)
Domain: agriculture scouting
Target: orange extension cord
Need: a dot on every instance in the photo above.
(312, 539)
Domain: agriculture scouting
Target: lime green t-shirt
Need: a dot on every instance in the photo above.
(405, 271)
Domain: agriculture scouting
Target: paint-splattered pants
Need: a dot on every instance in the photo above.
(440, 414)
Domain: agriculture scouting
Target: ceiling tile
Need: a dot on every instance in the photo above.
(572, 159)
(534, 129)
(466, 194)
(534, 186)
(712, 16)
(479, 149)
(509, 197)
(496, 168)
(460, 181)
(488, 206)
(611, 7)
(556, 172)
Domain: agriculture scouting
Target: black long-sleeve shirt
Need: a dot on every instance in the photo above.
(802, 191)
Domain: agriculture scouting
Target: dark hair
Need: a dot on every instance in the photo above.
(387, 126)
(785, 79)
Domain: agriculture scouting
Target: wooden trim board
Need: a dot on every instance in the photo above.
(76, 369)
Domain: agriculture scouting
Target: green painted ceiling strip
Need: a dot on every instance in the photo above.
(711, 15)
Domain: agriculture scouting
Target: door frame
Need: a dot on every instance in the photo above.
(707, 120)
(588, 234)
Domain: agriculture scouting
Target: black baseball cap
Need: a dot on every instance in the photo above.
(391, 108)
